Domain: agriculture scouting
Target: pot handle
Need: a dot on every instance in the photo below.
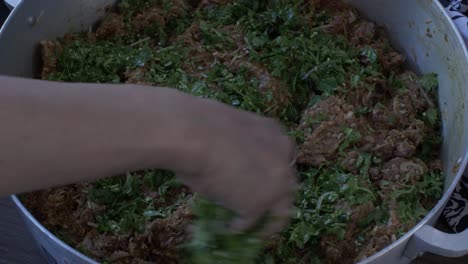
(12, 3)
(429, 239)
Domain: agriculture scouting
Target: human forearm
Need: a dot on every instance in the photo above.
(59, 133)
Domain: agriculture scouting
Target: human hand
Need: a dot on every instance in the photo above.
(244, 162)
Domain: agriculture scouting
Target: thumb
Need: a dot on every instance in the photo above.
(279, 217)
(242, 224)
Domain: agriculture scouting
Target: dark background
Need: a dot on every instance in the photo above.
(3, 12)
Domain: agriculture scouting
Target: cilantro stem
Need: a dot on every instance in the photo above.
(366, 191)
(139, 41)
(321, 198)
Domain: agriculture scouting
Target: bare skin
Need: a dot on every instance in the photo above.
(60, 133)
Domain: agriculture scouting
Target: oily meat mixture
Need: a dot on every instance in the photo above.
(367, 129)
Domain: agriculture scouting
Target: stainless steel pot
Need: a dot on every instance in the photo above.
(419, 28)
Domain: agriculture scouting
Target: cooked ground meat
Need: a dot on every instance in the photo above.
(50, 50)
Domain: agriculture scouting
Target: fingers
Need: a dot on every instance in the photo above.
(280, 215)
(277, 210)
(242, 224)
(282, 208)
(278, 218)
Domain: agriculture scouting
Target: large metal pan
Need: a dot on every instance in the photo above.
(419, 28)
